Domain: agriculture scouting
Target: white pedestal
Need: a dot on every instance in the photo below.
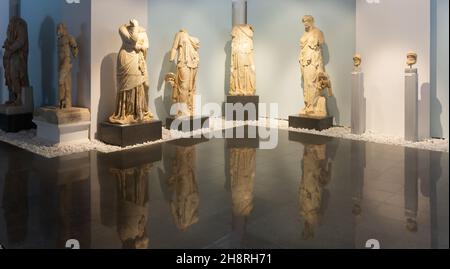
(73, 133)
(358, 104)
(411, 105)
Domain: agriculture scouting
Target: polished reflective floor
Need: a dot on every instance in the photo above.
(308, 192)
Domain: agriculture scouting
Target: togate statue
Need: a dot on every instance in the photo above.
(67, 47)
(314, 77)
(243, 77)
(184, 81)
(15, 60)
(132, 76)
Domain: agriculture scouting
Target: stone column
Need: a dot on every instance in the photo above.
(411, 104)
(239, 12)
(358, 104)
(14, 8)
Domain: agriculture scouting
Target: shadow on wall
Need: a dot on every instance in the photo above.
(364, 106)
(83, 80)
(436, 112)
(227, 50)
(227, 80)
(333, 108)
(326, 54)
(424, 112)
(164, 102)
(47, 40)
(108, 89)
(2, 81)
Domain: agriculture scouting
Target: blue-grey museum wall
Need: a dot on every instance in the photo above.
(208, 20)
(4, 17)
(42, 17)
(278, 29)
(439, 68)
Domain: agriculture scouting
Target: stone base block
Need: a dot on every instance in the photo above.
(72, 133)
(58, 116)
(187, 124)
(312, 123)
(16, 123)
(130, 135)
(242, 108)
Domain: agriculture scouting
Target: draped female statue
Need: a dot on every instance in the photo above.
(132, 76)
(243, 78)
(184, 81)
(314, 77)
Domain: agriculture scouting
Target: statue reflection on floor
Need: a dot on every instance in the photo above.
(124, 178)
(318, 154)
(316, 176)
(180, 185)
(15, 199)
(133, 207)
(242, 173)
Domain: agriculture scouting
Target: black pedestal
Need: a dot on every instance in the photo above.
(312, 123)
(187, 124)
(188, 142)
(133, 158)
(235, 108)
(242, 137)
(309, 139)
(129, 135)
(16, 123)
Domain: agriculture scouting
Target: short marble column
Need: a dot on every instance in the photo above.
(239, 12)
(14, 8)
(411, 189)
(411, 104)
(358, 104)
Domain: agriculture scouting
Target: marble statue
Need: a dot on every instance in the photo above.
(357, 60)
(15, 60)
(316, 175)
(411, 58)
(323, 84)
(67, 47)
(132, 76)
(133, 205)
(243, 76)
(184, 81)
(311, 63)
(243, 173)
(185, 200)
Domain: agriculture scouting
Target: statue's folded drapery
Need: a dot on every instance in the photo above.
(132, 77)
(15, 59)
(243, 77)
(184, 81)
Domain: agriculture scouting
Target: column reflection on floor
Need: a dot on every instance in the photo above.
(240, 156)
